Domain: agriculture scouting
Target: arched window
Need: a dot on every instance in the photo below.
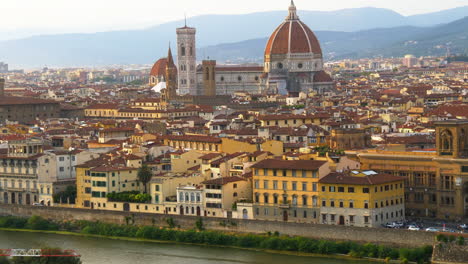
(192, 197)
(265, 198)
(304, 200)
(446, 140)
(182, 50)
(181, 197)
(314, 201)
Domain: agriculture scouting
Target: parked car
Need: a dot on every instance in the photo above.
(414, 227)
(432, 229)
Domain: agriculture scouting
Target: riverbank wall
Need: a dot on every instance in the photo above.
(330, 232)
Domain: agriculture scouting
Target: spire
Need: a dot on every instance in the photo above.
(292, 12)
(170, 60)
(185, 17)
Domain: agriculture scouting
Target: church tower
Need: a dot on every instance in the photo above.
(452, 138)
(186, 60)
(170, 92)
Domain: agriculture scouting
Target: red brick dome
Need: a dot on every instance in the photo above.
(159, 68)
(292, 36)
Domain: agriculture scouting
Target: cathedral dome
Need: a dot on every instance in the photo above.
(292, 36)
(159, 68)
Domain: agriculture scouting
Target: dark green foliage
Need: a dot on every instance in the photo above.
(144, 175)
(130, 197)
(12, 222)
(460, 241)
(170, 222)
(68, 195)
(38, 223)
(269, 241)
(199, 224)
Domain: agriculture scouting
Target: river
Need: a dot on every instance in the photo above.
(109, 251)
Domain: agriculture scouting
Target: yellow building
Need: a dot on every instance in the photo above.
(366, 199)
(291, 120)
(287, 190)
(437, 182)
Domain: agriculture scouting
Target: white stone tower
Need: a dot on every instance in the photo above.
(186, 60)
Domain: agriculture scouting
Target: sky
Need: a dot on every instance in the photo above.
(20, 18)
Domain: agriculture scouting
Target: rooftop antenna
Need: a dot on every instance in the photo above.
(185, 17)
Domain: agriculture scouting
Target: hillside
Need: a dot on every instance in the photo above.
(386, 42)
(244, 32)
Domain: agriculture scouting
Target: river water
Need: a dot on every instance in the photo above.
(107, 251)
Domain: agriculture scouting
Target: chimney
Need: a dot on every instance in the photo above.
(2, 87)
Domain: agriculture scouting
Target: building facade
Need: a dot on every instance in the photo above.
(436, 183)
(365, 199)
(287, 190)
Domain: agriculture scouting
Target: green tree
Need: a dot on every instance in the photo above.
(144, 175)
(69, 195)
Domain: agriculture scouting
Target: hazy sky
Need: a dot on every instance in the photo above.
(45, 16)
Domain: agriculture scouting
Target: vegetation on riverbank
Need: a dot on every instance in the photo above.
(270, 241)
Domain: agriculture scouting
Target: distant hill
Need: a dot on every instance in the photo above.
(147, 45)
(388, 42)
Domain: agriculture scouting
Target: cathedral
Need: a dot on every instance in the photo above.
(293, 63)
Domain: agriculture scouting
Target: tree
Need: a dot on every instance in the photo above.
(144, 175)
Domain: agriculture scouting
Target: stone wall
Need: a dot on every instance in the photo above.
(445, 253)
(331, 232)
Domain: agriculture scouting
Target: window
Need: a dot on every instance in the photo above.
(265, 184)
(257, 184)
(323, 188)
(314, 187)
(285, 185)
(275, 185)
(366, 204)
(340, 189)
(304, 186)
(324, 203)
(341, 204)
(351, 218)
(351, 189)
(365, 190)
(294, 173)
(332, 203)
(304, 173)
(62, 169)
(265, 198)
(284, 173)
(332, 188)
(304, 200)
(61, 158)
(157, 187)
(294, 186)
(366, 219)
(351, 204)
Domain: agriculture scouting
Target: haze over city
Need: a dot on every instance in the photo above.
(30, 17)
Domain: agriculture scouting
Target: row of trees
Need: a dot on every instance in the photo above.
(271, 241)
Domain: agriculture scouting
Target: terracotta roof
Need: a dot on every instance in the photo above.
(14, 100)
(224, 180)
(289, 164)
(342, 178)
(195, 138)
(159, 68)
(322, 76)
(300, 40)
